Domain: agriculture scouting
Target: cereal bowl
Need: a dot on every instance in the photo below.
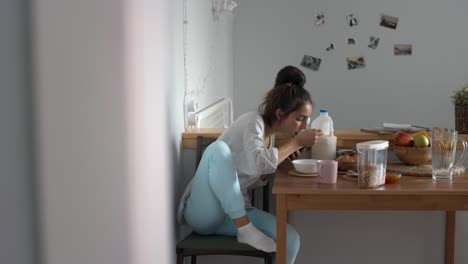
(305, 165)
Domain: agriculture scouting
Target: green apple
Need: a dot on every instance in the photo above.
(421, 141)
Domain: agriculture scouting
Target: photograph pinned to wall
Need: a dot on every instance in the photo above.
(388, 21)
(330, 47)
(310, 62)
(403, 49)
(355, 62)
(373, 42)
(352, 20)
(351, 41)
(319, 18)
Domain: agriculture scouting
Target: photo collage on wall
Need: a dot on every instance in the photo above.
(356, 62)
(310, 62)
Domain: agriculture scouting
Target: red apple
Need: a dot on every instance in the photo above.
(403, 139)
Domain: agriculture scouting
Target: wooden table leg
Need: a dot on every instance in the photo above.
(281, 222)
(450, 237)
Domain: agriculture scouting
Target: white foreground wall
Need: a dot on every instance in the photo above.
(17, 229)
(101, 79)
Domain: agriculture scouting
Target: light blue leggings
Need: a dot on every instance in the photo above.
(216, 199)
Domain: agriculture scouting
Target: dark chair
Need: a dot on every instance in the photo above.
(197, 245)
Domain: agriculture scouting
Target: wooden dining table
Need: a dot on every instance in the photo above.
(410, 193)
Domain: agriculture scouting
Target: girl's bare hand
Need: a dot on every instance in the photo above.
(295, 154)
(308, 137)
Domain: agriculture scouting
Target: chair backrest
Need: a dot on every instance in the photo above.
(202, 144)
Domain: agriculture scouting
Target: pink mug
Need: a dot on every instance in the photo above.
(327, 171)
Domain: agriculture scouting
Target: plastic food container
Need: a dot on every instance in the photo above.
(372, 163)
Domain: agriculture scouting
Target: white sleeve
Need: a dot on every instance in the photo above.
(258, 159)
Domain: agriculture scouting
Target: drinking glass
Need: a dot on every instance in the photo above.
(443, 152)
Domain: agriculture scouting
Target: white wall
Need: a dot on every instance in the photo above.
(148, 24)
(206, 77)
(101, 84)
(94, 97)
(269, 34)
(414, 89)
(209, 62)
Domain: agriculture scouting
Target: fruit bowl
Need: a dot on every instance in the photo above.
(413, 155)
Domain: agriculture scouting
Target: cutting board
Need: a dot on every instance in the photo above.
(387, 131)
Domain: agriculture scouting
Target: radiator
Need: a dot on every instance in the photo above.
(216, 115)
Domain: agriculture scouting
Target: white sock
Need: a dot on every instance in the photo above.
(249, 234)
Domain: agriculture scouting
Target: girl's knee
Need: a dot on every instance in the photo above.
(218, 148)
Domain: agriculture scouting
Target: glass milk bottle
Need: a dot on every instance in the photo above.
(325, 147)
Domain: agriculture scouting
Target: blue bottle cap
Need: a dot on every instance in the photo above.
(323, 110)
